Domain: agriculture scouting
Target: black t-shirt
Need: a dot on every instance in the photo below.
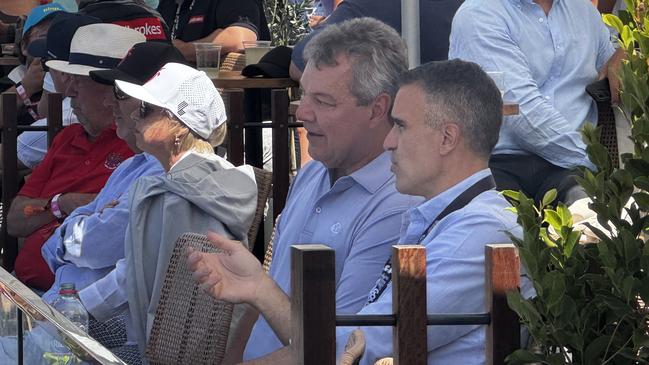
(129, 14)
(199, 18)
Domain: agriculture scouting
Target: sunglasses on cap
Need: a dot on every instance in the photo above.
(119, 94)
(145, 109)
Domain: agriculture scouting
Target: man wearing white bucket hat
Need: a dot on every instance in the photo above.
(82, 156)
(180, 110)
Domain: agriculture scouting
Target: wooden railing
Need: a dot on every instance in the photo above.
(9, 130)
(313, 305)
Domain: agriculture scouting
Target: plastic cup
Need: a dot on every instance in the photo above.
(208, 57)
(255, 50)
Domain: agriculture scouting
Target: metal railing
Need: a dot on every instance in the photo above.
(41, 332)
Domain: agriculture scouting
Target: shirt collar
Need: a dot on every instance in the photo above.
(430, 209)
(374, 174)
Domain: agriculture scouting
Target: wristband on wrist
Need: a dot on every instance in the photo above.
(20, 89)
(54, 206)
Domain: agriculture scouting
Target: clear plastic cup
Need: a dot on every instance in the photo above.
(208, 57)
(255, 50)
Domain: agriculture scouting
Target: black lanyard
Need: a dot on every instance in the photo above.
(174, 26)
(486, 183)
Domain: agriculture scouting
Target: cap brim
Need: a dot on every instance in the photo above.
(38, 48)
(75, 69)
(138, 92)
(264, 69)
(108, 77)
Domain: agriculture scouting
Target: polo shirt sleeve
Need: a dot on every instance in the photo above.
(42, 173)
(239, 13)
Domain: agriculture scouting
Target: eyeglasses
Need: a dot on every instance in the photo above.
(145, 109)
(119, 94)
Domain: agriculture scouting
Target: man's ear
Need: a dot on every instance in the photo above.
(381, 108)
(450, 138)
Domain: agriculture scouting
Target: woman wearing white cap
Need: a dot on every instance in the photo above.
(180, 111)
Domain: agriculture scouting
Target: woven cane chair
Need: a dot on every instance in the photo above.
(190, 327)
(606, 121)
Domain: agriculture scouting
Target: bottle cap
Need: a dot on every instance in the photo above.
(67, 288)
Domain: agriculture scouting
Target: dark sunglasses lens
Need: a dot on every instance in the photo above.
(119, 94)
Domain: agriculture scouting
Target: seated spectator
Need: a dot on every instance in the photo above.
(28, 76)
(134, 14)
(89, 244)
(346, 197)
(180, 111)
(446, 120)
(32, 146)
(435, 18)
(82, 156)
(548, 61)
(224, 22)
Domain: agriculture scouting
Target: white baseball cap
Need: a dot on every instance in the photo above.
(186, 92)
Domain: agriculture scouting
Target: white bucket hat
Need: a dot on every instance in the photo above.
(97, 47)
(186, 92)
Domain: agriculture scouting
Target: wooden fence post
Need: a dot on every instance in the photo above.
(409, 304)
(9, 175)
(502, 275)
(279, 116)
(235, 126)
(54, 116)
(313, 305)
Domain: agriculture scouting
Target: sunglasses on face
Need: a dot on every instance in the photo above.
(145, 109)
(119, 94)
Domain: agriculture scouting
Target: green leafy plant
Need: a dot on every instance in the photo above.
(589, 307)
(287, 20)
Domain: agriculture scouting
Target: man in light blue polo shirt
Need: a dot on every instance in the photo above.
(446, 121)
(549, 51)
(346, 198)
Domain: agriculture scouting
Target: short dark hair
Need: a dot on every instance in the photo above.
(376, 51)
(460, 92)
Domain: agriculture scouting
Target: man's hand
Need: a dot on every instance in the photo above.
(33, 79)
(233, 275)
(70, 201)
(611, 70)
(315, 20)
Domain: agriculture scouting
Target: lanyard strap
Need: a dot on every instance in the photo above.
(174, 26)
(486, 183)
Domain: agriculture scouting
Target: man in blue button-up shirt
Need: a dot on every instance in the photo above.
(446, 121)
(549, 51)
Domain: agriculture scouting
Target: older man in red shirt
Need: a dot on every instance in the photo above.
(82, 156)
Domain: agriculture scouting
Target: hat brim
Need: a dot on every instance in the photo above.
(70, 68)
(108, 77)
(264, 69)
(38, 48)
(138, 92)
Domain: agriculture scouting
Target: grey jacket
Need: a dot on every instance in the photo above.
(198, 194)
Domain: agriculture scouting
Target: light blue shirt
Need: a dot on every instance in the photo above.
(90, 241)
(455, 276)
(547, 61)
(359, 217)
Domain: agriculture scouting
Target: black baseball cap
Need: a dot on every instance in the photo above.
(141, 62)
(274, 64)
(56, 45)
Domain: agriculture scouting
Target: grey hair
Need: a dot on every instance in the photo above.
(376, 51)
(460, 92)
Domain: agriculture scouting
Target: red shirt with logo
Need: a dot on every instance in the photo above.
(72, 165)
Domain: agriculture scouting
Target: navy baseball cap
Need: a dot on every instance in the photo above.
(140, 63)
(56, 45)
